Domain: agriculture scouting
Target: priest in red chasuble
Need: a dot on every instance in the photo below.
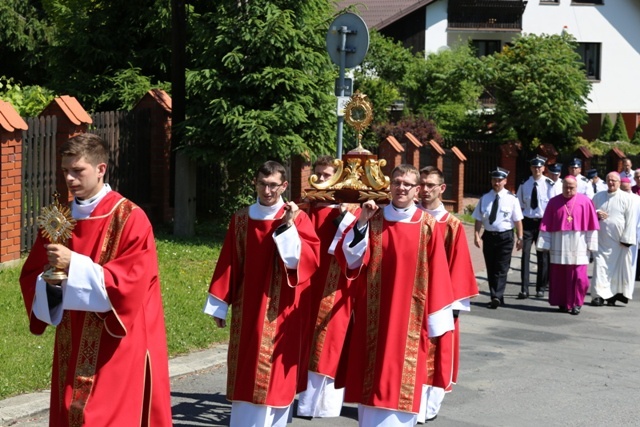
(330, 307)
(403, 299)
(268, 256)
(464, 287)
(110, 364)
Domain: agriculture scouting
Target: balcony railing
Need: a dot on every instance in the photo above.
(501, 15)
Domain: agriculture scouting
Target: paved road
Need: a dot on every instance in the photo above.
(525, 364)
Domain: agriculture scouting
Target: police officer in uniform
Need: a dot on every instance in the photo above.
(498, 212)
(533, 195)
(554, 174)
(595, 182)
(584, 186)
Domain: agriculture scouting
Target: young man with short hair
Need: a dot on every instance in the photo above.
(110, 362)
(331, 306)
(402, 301)
(267, 259)
(463, 282)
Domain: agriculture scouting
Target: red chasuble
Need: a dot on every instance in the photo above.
(402, 281)
(266, 324)
(109, 369)
(330, 303)
(443, 361)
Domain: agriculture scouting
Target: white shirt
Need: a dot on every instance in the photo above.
(545, 185)
(509, 211)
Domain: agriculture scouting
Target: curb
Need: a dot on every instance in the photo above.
(26, 405)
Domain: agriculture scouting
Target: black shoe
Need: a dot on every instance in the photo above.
(622, 298)
(575, 310)
(432, 418)
(522, 295)
(495, 302)
(597, 302)
(540, 294)
(563, 309)
(611, 302)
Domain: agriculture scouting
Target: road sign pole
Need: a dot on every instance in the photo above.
(343, 60)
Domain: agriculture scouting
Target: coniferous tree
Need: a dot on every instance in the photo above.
(606, 129)
(619, 132)
(636, 136)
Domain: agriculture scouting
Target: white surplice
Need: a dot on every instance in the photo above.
(613, 273)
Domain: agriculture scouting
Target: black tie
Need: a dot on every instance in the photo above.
(494, 210)
(534, 196)
(594, 188)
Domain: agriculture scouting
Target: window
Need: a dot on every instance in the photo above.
(590, 2)
(549, 1)
(590, 54)
(486, 47)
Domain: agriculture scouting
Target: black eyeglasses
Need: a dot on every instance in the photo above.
(271, 186)
(403, 184)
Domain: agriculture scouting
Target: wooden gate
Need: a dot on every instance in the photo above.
(38, 174)
(128, 135)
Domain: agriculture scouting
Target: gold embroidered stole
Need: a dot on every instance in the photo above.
(415, 318)
(240, 229)
(93, 326)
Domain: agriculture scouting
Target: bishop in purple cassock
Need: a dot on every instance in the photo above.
(569, 231)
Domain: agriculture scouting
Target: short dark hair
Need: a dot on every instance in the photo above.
(325, 160)
(432, 170)
(88, 145)
(405, 169)
(270, 167)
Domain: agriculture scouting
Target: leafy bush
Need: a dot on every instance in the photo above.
(27, 100)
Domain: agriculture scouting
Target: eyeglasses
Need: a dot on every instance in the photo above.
(271, 186)
(403, 184)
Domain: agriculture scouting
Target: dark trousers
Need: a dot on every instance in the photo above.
(497, 248)
(531, 229)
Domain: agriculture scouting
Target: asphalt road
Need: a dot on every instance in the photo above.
(525, 364)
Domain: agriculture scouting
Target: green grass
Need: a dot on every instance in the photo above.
(186, 266)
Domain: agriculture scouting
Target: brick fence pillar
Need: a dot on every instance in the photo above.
(11, 127)
(72, 120)
(509, 161)
(390, 150)
(158, 102)
(413, 150)
(456, 203)
(300, 173)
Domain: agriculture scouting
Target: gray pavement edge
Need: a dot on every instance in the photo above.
(27, 405)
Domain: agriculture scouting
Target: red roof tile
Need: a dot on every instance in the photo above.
(10, 120)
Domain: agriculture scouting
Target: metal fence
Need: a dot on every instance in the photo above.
(482, 157)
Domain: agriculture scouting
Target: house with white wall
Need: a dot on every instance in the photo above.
(607, 31)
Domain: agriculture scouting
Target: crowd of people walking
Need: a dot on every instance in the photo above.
(580, 221)
(333, 302)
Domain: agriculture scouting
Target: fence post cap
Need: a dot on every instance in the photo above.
(10, 120)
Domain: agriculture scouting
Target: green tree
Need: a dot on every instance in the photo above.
(445, 88)
(635, 140)
(261, 87)
(97, 41)
(381, 73)
(540, 88)
(606, 129)
(619, 132)
(26, 34)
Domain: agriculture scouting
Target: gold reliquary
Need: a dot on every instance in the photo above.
(358, 175)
